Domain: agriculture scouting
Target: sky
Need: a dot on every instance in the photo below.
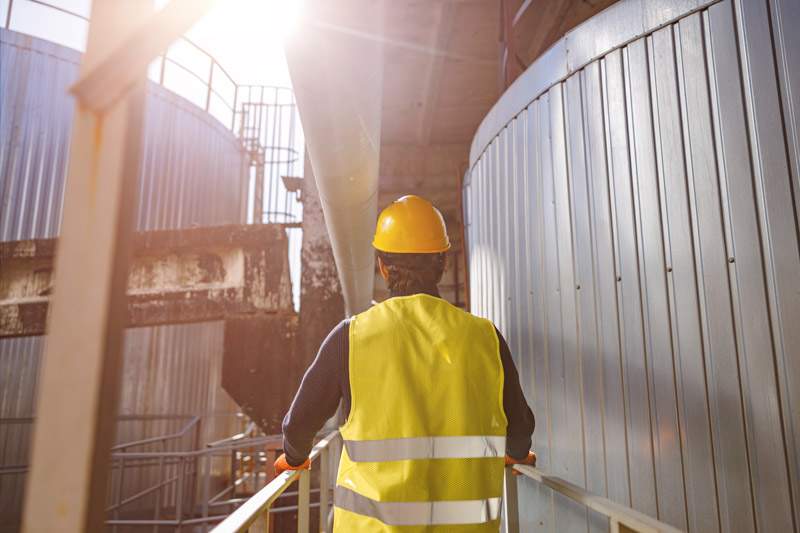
(245, 36)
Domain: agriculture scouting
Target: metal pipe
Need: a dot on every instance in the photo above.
(303, 501)
(338, 82)
(290, 508)
(510, 503)
(157, 510)
(139, 495)
(179, 493)
(210, 84)
(324, 468)
(8, 14)
(618, 514)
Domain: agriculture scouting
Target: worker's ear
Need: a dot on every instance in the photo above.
(383, 269)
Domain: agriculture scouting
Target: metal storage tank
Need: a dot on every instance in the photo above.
(194, 173)
(632, 211)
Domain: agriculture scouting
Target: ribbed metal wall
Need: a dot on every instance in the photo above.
(632, 215)
(193, 173)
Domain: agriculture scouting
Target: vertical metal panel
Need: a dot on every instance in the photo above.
(590, 363)
(710, 267)
(779, 233)
(195, 168)
(604, 255)
(19, 362)
(539, 369)
(786, 44)
(652, 220)
(687, 339)
(635, 378)
(657, 332)
(34, 127)
(777, 426)
(566, 362)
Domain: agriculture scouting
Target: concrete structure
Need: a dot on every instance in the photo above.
(176, 277)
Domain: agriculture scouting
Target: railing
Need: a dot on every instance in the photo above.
(252, 515)
(219, 92)
(161, 444)
(620, 517)
(190, 488)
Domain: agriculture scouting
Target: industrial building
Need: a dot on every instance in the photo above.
(620, 182)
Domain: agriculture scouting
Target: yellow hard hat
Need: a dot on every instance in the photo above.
(411, 225)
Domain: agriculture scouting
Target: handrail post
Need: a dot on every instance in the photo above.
(210, 84)
(303, 501)
(235, 103)
(8, 14)
(261, 525)
(179, 496)
(510, 502)
(163, 68)
(324, 468)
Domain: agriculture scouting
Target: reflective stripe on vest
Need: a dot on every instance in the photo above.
(459, 447)
(419, 513)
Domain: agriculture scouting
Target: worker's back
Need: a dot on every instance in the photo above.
(425, 437)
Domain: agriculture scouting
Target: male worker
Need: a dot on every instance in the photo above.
(430, 394)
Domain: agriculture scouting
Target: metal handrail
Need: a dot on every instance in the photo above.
(618, 515)
(187, 463)
(193, 421)
(249, 430)
(254, 511)
(251, 515)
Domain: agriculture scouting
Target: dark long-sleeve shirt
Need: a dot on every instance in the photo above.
(327, 381)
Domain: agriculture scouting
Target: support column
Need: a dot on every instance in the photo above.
(78, 391)
(79, 386)
(321, 302)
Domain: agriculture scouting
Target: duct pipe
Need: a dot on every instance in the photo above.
(337, 78)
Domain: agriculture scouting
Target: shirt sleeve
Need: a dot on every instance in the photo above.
(318, 396)
(521, 422)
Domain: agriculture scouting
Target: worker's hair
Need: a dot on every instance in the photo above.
(413, 273)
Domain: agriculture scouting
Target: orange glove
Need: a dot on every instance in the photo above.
(529, 460)
(282, 466)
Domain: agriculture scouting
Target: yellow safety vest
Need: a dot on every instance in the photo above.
(425, 439)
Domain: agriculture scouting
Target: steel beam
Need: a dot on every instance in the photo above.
(66, 487)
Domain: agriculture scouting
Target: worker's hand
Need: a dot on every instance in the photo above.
(529, 460)
(282, 466)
